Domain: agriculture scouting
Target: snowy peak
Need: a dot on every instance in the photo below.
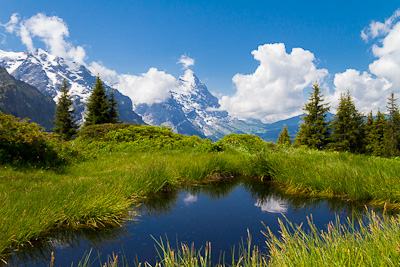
(12, 60)
(46, 72)
(192, 109)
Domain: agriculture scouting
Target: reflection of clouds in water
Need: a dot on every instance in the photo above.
(189, 199)
(58, 243)
(271, 205)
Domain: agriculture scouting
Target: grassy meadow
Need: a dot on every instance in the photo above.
(108, 168)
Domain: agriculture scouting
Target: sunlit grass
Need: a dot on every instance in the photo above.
(356, 177)
(100, 191)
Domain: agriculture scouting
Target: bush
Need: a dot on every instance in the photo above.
(246, 143)
(128, 137)
(27, 143)
(23, 141)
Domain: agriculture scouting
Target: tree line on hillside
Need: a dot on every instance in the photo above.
(100, 109)
(349, 130)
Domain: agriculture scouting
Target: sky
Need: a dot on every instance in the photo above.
(260, 58)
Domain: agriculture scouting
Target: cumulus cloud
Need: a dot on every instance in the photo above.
(368, 92)
(52, 31)
(151, 87)
(275, 90)
(370, 89)
(388, 53)
(377, 28)
(186, 61)
(105, 73)
(12, 25)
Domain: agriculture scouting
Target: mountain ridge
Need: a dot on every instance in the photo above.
(191, 109)
(25, 101)
(46, 72)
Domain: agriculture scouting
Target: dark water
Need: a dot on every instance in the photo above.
(219, 213)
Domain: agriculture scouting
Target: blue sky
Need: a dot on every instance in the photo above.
(131, 37)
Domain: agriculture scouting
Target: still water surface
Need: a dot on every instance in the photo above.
(219, 213)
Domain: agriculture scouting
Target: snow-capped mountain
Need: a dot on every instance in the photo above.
(46, 72)
(191, 109)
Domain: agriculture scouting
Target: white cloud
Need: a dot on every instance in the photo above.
(371, 89)
(388, 63)
(151, 87)
(105, 73)
(11, 26)
(52, 31)
(368, 92)
(377, 28)
(275, 90)
(186, 61)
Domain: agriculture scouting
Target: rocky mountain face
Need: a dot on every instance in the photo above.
(25, 101)
(191, 109)
(46, 72)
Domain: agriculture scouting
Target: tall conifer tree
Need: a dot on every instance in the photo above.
(376, 134)
(112, 110)
(347, 126)
(314, 132)
(64, 123)
(97, 105)
(284, 137)
(392, 134)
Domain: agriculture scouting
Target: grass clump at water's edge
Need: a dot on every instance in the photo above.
(356, 177)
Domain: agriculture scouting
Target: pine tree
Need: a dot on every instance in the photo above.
(284, 137)
(314, 132)
(97, 105)
(64, 123)
(392, 134)
(369, 136)
(376, 133)
(112, 110)
(347, 127)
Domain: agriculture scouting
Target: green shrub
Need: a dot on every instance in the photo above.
(246, 143)
(27, 143)
(129, 137)
(23, 141)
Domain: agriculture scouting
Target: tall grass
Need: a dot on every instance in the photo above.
(356, 177)
(372, 242)
(100, 191)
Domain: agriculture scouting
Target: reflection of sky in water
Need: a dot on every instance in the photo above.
(272, 205)
(189, 199)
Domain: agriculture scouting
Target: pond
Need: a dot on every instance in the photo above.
(219, 213)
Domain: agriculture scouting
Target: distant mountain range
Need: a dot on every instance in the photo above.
(46, 72)
(191, 109)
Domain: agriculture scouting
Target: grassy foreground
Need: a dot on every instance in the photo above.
(127, 163)
(100, 191)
